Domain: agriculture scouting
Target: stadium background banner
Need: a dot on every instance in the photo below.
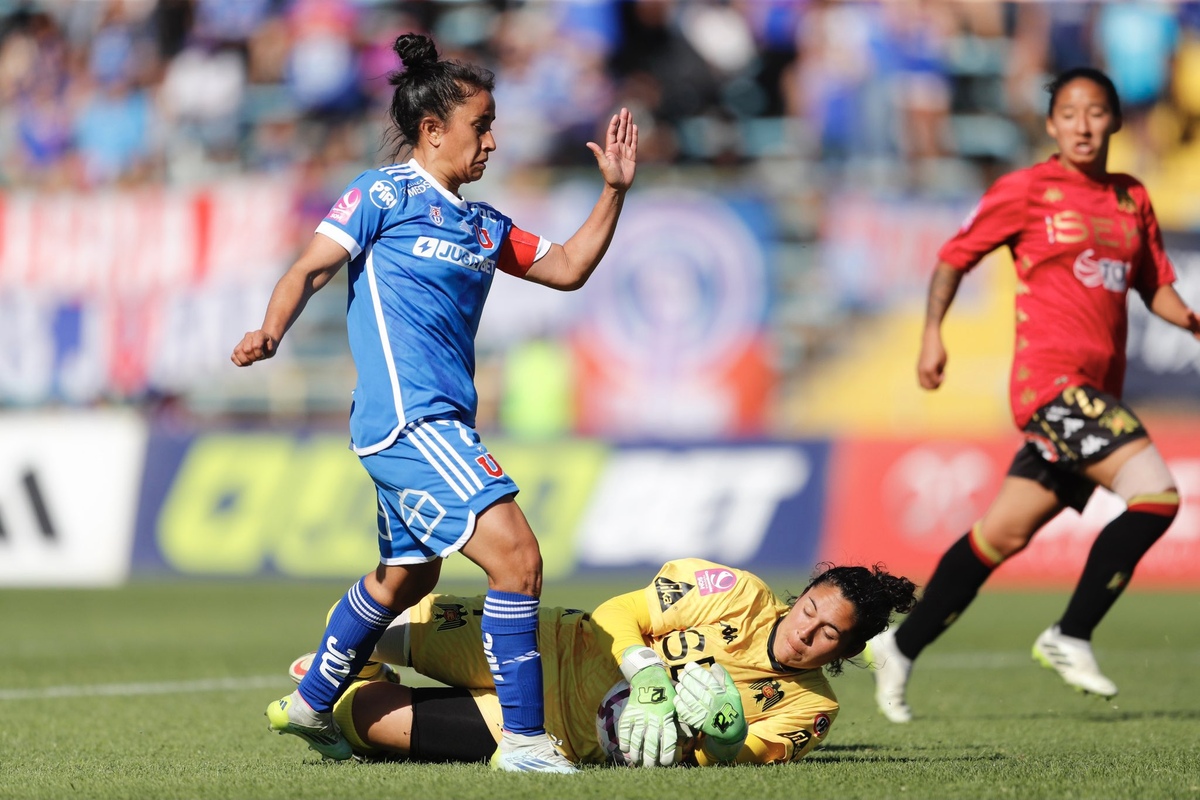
(1164, 361)
(91, 498)
(904, 502)
(298, 504)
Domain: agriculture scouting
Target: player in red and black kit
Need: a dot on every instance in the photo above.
(1080, 238)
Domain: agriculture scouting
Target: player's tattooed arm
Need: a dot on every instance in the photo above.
(943, 286)
(931, 364)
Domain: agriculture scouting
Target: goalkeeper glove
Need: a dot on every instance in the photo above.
(647, 730)
(709, 701)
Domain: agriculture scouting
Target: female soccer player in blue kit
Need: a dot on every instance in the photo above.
(422, 259)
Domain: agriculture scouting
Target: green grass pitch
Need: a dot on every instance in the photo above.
(157, 690)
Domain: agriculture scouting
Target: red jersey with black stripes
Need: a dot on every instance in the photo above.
(1078, 246)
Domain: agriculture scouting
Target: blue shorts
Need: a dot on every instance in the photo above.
(431, 484)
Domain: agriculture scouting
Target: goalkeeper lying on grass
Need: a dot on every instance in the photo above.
(703, 666)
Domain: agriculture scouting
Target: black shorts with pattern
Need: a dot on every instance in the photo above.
(1079, 427)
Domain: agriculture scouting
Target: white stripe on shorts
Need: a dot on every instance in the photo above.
(439, 466)
(434, 433)
(449, 464)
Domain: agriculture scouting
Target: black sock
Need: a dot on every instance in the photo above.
(1109, 567)
(953, 586)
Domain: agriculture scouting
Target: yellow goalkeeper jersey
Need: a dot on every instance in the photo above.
(693, 610)
(706, 612)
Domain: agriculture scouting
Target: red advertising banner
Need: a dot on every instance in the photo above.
(903, 502)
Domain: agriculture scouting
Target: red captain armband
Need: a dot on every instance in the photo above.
(518, 252)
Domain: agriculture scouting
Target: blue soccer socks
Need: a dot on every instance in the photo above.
(354, 628)
(510, 623)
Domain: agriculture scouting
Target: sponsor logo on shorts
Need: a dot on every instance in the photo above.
(345, 207)
(768, 693)
(1045, 447)
(799, 740)
(420, 512)
(714, 581)
(821, 725)
(383, 194)
(1092, 445)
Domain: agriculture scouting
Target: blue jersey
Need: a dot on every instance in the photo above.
(421, 265)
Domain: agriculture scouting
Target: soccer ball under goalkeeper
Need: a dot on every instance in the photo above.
(609, 714)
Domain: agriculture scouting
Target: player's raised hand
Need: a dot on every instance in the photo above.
(618, 159)
(254, 346)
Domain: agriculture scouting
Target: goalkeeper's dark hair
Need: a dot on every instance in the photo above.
(875, 594)
(428, 86)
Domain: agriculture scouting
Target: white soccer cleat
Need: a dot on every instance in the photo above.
(1073, 660)
(292, 715)
(891, 669)
(518, 753)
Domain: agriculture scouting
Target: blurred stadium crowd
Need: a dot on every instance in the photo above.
(101, 92)
(799, 98)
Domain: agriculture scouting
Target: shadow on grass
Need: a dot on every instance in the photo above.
(1090, 715)
(882, 754)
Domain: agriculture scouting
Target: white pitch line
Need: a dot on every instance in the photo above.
(136, 689)
(946, 661)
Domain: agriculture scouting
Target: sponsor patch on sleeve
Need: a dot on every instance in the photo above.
(345, 207)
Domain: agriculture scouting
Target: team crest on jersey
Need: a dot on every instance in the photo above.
(1124, 201)
(435, 214)
(670, 592)
(449, 616)
(768, 693)
(481, 235)
(383, 194)
(345, 207)
(821, 725)
(799, 740)
(1053, 195)
(714, 581)
(490, 465)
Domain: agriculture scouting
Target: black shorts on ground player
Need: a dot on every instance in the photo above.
(1079, 427)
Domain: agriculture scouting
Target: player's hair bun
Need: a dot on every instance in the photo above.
(416, 51)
